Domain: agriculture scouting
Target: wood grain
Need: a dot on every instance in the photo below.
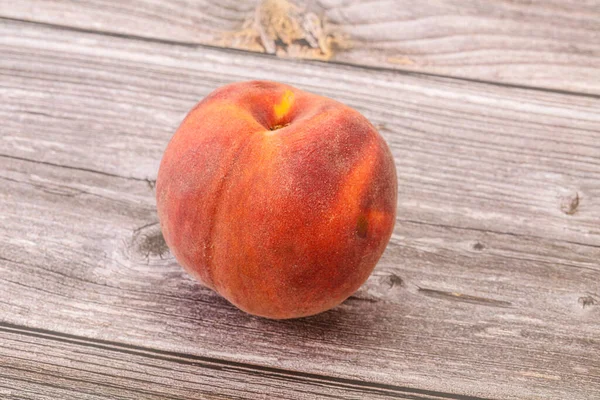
(488, 289)
(551, 44)
(73, 367)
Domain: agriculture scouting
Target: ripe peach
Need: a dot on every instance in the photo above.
(280, 200)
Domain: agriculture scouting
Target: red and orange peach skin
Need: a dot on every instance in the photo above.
(280, 200)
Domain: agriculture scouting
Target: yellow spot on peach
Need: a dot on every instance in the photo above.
(285, 104)
(371, 221)
(356, 182)
(376, 217)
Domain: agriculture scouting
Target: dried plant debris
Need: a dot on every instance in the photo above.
(282, 28)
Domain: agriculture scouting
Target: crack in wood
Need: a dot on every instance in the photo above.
(218, 364)
(587, 301)
(468, 228)
(465, 298)
(72, 168)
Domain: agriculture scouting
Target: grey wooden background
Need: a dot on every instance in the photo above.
(489, 289)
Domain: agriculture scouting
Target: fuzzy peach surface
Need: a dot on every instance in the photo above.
(280, 200)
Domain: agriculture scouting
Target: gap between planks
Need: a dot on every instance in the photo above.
(400, 71)
(219, 364)
(536, 43)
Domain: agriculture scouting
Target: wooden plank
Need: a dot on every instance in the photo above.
(469, 155)
(551, 44)
(72, 367)
(98, 279)
(489, 287)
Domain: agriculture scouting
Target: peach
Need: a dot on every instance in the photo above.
(280, 200)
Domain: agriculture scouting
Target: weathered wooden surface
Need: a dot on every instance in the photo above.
(74, 367)
(489, 288)
(552, 44)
